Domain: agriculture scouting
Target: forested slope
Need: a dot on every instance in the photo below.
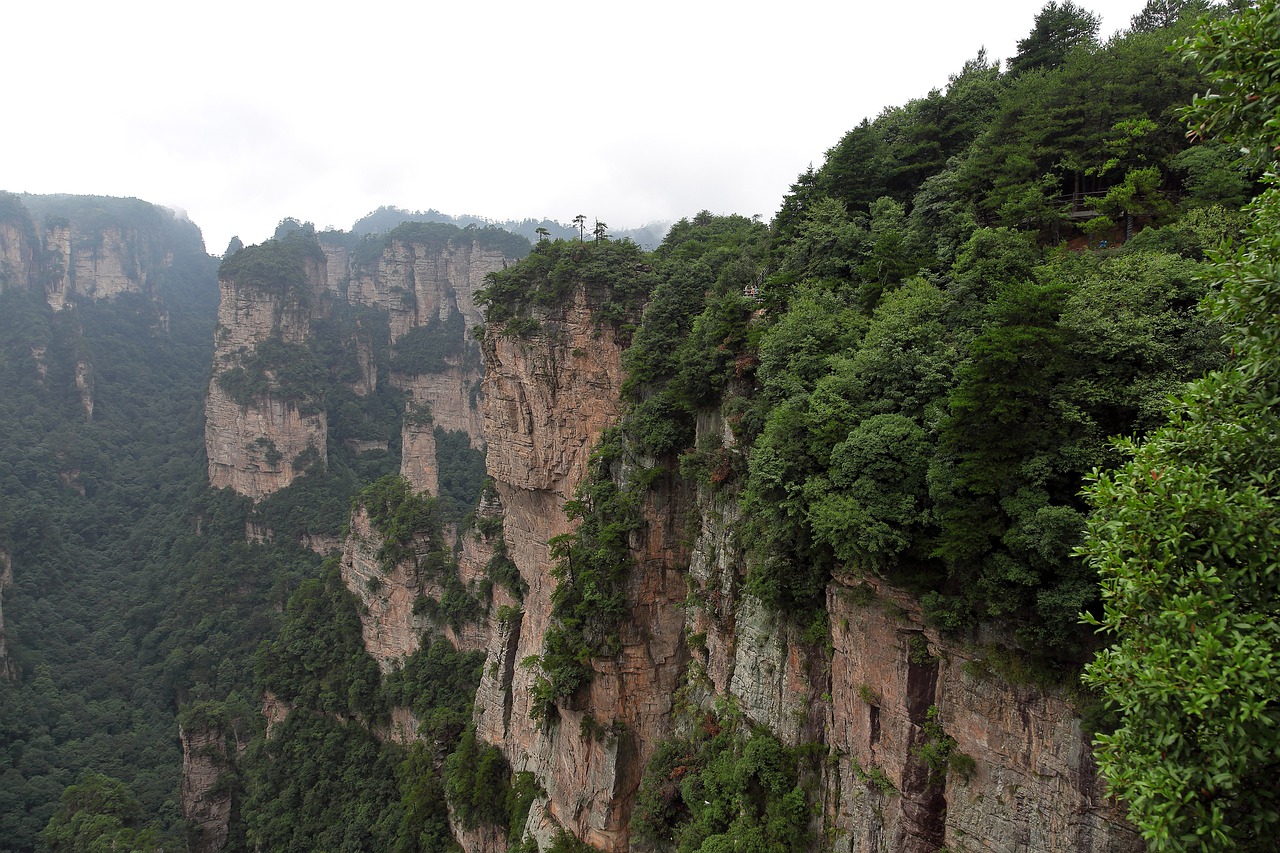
(133, 586)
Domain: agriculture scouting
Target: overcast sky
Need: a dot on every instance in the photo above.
(243, 113)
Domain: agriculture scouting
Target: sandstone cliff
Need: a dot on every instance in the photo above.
(881, 691)
(401, 312)
(260, 438)
(211, 745)
(87, 247)
(924, 742)
(19, 251)
(548, 399)
(426, 288)
(102, 264)
(391, 630)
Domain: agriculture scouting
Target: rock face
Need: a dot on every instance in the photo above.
(1023, 778)
(421, 288)
(418, 297)
(19, 250)
(548, 399)
(880, 694)
(81, 247)
(391, 630)
(1032, 784)
(208, 755)
(414, 282)
(101, 265)
(258, 446)
(885, 689)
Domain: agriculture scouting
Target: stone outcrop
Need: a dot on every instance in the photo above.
(19, 251)
(875, 694)
(428, 290)
(887, 685)
(883, 690)
(388, 624)
(259, 446)
(426, 287)
(252, 449)
(413, 282)
(209, 752)
(448, 399)
(1032, 784)
(101, 265)
(85, 248)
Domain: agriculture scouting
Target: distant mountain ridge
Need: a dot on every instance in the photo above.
(387, 217)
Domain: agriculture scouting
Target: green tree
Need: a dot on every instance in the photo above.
(1160, 14)
(1185, 535)
(99, 813)
(1239, 56)
(1185, 538)
(1059, 27)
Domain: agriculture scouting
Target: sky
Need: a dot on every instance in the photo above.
(243, 113)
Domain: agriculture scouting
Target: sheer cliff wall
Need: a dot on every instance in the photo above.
(872, 697)
(88, 247)
(257, 441)
(426, 288)
(426, 296)
(548, 399)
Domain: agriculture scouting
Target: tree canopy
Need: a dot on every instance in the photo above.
(1185, 535)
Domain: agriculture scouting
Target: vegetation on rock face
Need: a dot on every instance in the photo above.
(614, 273)
(592, 565)
(277, 266)
(723, 786)
(318, 660)
(927, 409)
(323, 780)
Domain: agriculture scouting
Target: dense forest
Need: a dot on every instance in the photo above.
(957, 360)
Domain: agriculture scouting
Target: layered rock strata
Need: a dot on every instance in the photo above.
(19, 250)
(426, 287)
(882, 696)
(101, 265)
(71, 254)
(423, 289)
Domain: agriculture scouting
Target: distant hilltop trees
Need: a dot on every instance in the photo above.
(386, 218)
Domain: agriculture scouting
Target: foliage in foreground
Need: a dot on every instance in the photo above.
(1186, 535)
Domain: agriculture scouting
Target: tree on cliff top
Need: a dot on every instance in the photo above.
(1186, 536)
